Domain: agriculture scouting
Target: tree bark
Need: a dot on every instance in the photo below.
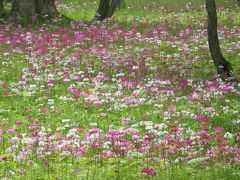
(107, 8)
(31, 9)
(1, 8)
(102, 12)
(22, 10)
(113, 6)
(224, 68)
(46, 8)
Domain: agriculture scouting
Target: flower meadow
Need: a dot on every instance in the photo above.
(108, 100)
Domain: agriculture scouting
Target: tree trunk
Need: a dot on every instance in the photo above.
(23, 10)
(46, 8)
(1, 8)
(107, 8)
(224, 68)
(113, 6)
(31, 9)
(102, 12)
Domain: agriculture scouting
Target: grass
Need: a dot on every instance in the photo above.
(176, 91)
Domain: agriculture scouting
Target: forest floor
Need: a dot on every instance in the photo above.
(133, 97)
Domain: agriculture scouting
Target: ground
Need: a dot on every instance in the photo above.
(133, 97)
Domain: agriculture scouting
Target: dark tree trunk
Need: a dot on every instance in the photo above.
(102, 12)
(1, 8)
(113, 6)
(30, 9)
(224, 68)
(22, 10)
(46, 8)
(107, 8)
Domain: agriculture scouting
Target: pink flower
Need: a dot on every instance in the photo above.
(11, 130)
(149, 171)
(3, 158)
(135, 136)
(218, 130)
(1, 132)
(19, 123)
(202, 119)
(124, 122)
(74, 90)
(174, 129)
(33, 128)
(51, 81)
(204, 128)
(171, 109)
(195, 96)
(79, 37)
(75, 171)
(29, 110)
(6, 94)
(148, 137)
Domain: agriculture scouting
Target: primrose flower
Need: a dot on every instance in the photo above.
(33, 128)
(203, 119)
(11, 130)
(228, 135)
(3, 158)
(65, 120)
(149, 171)
(1, 132)
(93, 124)
(218, 130)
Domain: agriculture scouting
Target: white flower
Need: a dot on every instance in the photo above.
(65, 120)
(107, 145)
(11, 172)
(27, 140)
(74, 130)
(93, 124)
(135, 125)
(65, 153)
(149, 127)
(15, 140)
(60, 128)
(14, 90)
(42, 143)
(228, 135)
(50, 101)
(135, 67)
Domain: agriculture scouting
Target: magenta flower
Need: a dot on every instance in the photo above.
(218, 130)
(11, 130)
(19, 123)
(74, 90)
(203, 119)
(149, 171)
(3, 158)
(1, 132)
(33, 128)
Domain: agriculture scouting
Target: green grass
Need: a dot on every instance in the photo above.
(149, 9)
(13, 109)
